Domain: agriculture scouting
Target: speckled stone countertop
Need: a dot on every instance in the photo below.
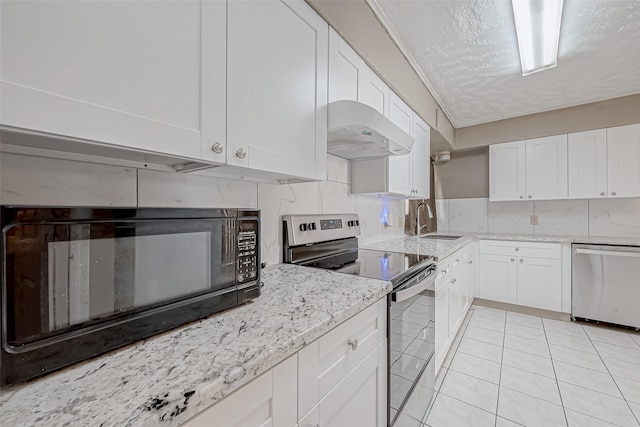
(441, 249)
(167, 379)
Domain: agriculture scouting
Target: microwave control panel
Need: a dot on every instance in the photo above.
(247, 267)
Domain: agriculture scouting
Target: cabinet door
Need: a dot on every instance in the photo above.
(421, 159)
(507, 171)
(267, 401)
(146, 75)
(344, 69)
(277, 88)
(400, 166)
(373, 91)
(469, 280)
(456, 302)
(497, 279)
(546, 168)
(587, 154)
(623, 154)
(361, 398)
(443, 340)
(539, 283)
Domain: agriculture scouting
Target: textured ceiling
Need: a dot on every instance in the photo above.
(467, 51)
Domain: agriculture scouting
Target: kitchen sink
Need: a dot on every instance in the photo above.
(440, 237)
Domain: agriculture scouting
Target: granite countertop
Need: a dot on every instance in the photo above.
(168, 378)
(441, 249)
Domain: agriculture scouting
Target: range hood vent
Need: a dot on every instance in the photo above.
(358, 131)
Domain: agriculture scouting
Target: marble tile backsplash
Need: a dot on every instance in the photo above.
(599, 217)
(37, 181)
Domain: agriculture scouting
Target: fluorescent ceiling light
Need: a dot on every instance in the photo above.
(538, 29)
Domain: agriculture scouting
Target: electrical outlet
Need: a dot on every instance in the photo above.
(533, 219)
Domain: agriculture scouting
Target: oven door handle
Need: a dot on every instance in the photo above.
(405, 294)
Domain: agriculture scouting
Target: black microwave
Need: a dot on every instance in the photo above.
(78, 282)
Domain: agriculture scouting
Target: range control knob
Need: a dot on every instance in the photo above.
(357, 222)
(311, 226)
(350, 223)
(303, 227)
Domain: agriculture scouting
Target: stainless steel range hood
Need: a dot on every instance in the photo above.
(358, 131)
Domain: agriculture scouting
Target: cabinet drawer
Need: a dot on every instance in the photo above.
(326, 361)
(520, 249)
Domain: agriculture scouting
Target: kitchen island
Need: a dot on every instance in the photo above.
(169, 378)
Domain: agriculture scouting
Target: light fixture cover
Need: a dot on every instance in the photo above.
(538, 30)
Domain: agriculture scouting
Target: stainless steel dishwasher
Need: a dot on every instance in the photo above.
(606, 284)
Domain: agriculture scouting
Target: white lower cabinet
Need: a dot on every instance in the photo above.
(523, 273)
(338, 380)
(455, 290)
(265, 402)
(358, 400)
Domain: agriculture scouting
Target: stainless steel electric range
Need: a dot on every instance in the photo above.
(330, 242)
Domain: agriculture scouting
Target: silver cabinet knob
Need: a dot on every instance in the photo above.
(353, 344)
(602, 193)
(241, 154)
(522, 197)
(517, 249)
(521, 260)
(529, 197)
(613, 193)
(217, 148)
(513, 259)
(470, 261)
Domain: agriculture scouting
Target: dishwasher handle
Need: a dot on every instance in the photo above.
(608, 253)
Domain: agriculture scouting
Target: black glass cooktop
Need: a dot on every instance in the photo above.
(390, 266)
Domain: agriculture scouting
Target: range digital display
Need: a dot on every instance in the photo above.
(330, 224)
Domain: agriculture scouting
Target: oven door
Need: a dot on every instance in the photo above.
(412, 348)
(93, 280)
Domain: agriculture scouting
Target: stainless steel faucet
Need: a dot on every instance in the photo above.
(418, 227)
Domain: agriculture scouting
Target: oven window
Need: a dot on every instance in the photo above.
(60, 278)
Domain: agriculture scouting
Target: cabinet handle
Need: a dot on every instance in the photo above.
(241, 154)
(353, 344)
(517, 249)
(513, 259)
(613, 193)
(602, 193)
(529, 196)
(522, 197)
(217, 148)
(521, 260)
(470, 261)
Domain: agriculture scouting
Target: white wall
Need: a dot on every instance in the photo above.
(597, 217)
(37, 181)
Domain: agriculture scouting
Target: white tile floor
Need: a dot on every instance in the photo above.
(510, 369)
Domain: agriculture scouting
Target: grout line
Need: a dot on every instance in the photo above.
(613, 378)
(553, 366)
(501, 365)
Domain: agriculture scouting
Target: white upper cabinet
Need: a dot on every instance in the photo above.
(507, 171)
(623, 154)
(587, 153)
(344, 69)
(146, 75)
(546, 168)
(400, 166)
(277, 88)
(421, 159)
(350, 78)
(373, 91)
(535, 169)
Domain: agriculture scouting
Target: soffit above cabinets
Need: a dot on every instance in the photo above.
(467, 53)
